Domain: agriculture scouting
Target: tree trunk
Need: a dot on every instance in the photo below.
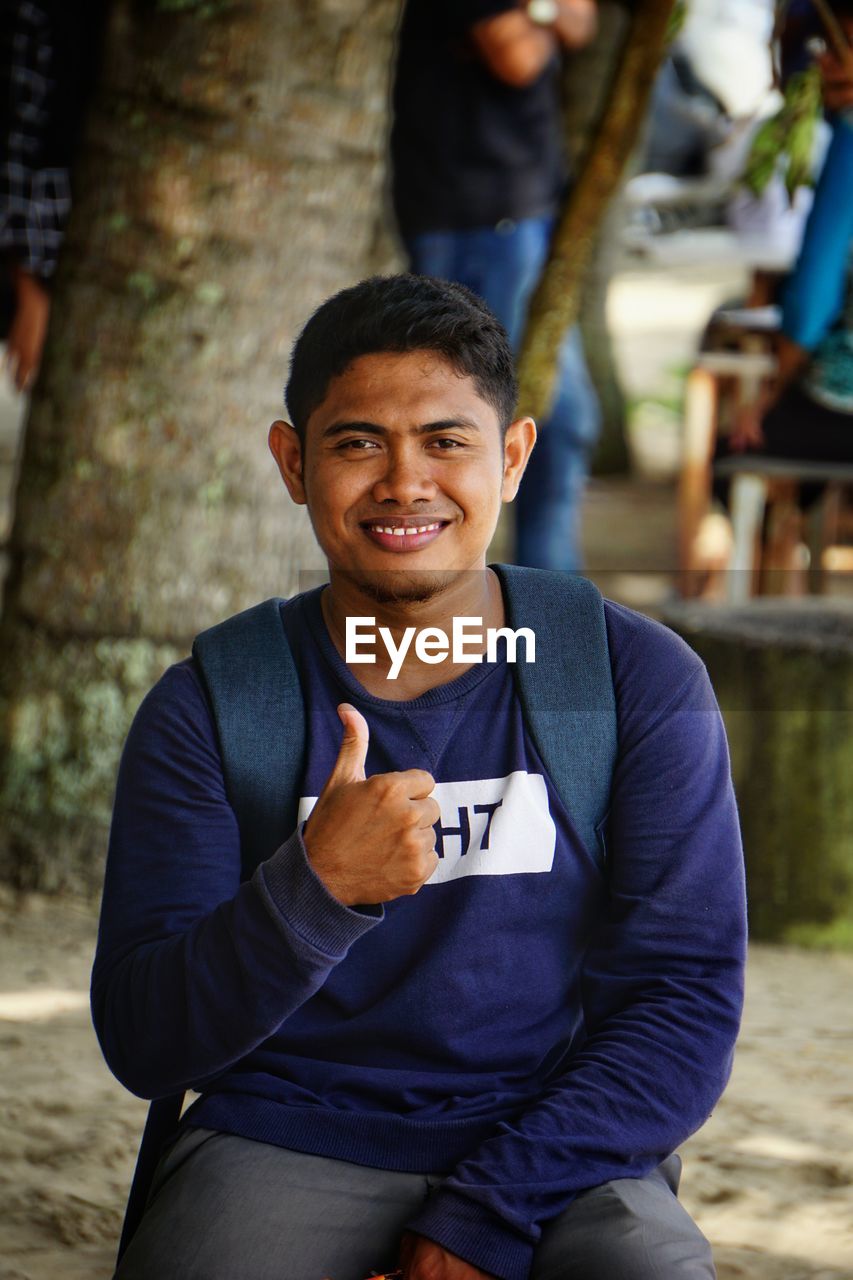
(588, 77)
(611, 455)
(231, 178)
(557, 299)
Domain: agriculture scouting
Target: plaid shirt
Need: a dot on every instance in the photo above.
(35, 200)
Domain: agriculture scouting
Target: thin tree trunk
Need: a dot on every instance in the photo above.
(557, 299)
(611, 455)
(588, 78)
(231, 178)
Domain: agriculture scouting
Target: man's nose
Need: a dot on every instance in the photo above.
(407, 477)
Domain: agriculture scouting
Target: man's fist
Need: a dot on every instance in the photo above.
(422, 1259)
(371, 839)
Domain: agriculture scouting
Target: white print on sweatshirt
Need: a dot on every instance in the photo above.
(492, 827)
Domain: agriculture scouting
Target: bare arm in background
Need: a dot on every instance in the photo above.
(34, 198)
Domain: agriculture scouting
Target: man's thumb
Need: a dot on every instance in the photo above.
(349, 766)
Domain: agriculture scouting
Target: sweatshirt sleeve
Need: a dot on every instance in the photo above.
(814, 295)
(193, 968)
(662, 979)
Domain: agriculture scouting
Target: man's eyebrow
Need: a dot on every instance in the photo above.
(448, 424)
(364, 428)
(425, 428)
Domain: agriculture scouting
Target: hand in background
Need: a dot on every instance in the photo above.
(837, 81)
(517, 49)
(747, 433)
(25, 342)
(577, 23)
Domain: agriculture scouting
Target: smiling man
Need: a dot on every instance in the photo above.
(451, 954)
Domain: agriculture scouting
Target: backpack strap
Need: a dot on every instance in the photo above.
(160, 1125)
(253, 688)
(567, 694)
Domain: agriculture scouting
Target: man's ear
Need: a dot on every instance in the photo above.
(518, 445)
(286, 448)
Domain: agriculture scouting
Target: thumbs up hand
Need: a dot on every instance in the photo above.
(349, 766)
(371, 839)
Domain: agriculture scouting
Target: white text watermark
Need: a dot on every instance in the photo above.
(433, 645)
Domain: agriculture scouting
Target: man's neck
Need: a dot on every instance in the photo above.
(473, 593)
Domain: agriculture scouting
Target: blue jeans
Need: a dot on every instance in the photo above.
(502, 264)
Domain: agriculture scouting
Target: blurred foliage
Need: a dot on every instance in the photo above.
(676, 20)
(785, 142)
(837, 936)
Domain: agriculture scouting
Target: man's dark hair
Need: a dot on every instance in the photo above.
(399, 314)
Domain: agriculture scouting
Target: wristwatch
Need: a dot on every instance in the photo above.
(543, 12)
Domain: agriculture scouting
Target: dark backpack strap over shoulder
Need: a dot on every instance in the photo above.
(253, 687)
(160, 1126)
(250, 675)
(567, 693)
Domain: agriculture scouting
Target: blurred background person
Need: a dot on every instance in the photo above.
(808, 414)
(48, 51)
(479, 173)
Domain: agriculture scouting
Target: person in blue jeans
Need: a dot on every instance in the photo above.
(479, 172)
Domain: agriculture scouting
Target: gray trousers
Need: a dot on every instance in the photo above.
(226, 1208)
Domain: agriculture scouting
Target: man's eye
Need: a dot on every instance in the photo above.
(359, 445)
(448, 443)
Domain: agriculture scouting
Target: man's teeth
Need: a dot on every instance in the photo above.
(401, 533)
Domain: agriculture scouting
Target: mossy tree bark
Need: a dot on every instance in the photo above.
(783, 675)
(556, 301)
(231, 178)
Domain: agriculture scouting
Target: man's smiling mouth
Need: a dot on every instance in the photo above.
(403, 533)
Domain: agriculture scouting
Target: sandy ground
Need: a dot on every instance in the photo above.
(769, 1178)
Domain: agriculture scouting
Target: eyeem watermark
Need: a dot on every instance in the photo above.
(433, 645)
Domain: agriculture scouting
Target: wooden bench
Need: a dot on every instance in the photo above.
(752, 479)
(718, 384)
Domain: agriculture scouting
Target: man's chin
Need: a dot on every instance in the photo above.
(401, 586)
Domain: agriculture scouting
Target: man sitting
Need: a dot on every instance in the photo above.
(457, 1021)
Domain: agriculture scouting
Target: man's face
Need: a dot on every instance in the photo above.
(403, 471)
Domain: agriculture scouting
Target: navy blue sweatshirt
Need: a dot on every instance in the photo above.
(525, 1025)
